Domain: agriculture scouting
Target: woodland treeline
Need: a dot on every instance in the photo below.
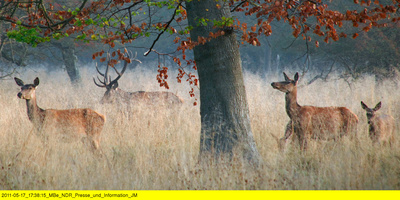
(375, 52)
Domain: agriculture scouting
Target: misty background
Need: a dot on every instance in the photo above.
(374, 53)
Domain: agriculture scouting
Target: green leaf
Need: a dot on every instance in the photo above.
(78, 23)
(89, 21)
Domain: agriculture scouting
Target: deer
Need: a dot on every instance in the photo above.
(72, 124)
(311, 121)
(114, 94)
(381, 127)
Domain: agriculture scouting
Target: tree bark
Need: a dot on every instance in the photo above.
(225, 121)
(70, 59)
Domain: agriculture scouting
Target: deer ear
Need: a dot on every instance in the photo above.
(378, 106)
(296, 77)
(19, 81)
(363, 105)
(36, 81)
(286, 77)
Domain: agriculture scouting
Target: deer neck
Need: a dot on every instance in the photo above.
(35, 113)
(292, 107)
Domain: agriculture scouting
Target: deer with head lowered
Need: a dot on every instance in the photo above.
(114, 94)
(311, 121)
(381, 127)
(72, 124)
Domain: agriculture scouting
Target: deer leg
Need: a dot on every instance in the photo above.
(95, 144)
(391, 140)
(288, 133)
(303, 144)
(302, 140)
(93, 130)
(281, 144)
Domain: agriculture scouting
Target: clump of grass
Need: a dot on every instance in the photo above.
(148, 147)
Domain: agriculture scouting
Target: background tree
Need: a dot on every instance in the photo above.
(212, 29)
(67, 48)
(21, 54)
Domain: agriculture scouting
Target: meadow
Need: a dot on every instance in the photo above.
(148, 147)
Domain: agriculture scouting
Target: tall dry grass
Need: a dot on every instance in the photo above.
(157, 148)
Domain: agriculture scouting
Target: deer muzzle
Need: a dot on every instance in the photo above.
(23, 96)
(274, 85)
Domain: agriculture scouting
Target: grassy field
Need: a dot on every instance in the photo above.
(157, 147)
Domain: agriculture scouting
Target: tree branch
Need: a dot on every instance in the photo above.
(50, 26)
(241, 3)
(159, 35)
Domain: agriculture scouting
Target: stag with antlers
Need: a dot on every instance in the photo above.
(114, 94)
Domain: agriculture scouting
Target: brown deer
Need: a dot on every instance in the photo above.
(72, 124)
(114, 94)
(311, 121)
(381, 127)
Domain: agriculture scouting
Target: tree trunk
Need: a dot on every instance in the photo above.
(70, 59)
(225, 121)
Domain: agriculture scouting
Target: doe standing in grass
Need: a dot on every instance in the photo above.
(311, 121)
(70, 124)
(381, 127)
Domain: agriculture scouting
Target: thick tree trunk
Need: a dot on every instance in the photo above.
(70, 59)
(225, 121)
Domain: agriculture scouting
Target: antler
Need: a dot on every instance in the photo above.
(135, 59)
(105, 76)
(107, 79)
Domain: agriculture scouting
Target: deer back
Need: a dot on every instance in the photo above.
(326, 122)
(156, 98)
